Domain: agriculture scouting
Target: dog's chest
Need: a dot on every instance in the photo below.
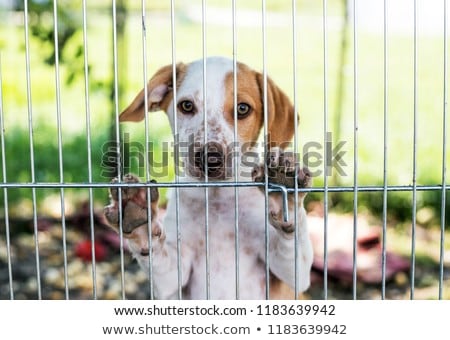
(226, 241)
(219, 210)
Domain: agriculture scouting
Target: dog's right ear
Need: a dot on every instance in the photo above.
(159, 94)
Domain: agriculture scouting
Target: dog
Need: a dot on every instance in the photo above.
(187, 207)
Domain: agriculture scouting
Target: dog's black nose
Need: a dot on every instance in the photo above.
(211, 159)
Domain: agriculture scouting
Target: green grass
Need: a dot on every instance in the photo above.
(310, 94)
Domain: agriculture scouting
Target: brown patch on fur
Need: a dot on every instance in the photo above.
(159, 93)
(280, 290)
(248, 92)
(281, 115)
(251, 91)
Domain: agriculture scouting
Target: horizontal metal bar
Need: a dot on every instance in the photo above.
(272, 188)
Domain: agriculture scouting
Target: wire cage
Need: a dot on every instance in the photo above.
(369, 82)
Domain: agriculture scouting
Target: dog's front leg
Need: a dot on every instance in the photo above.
(170, 273)
(282, 253)
(165, 265)
(283, 170)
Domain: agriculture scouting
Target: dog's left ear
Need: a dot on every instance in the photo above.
(159, 94)
(281, 115)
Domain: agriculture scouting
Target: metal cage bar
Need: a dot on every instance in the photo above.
(82, 185)
(325, 137)
(60, 145)
(236, 164)
(31, 143)
(414, 171)
(355, 148)
(295, 103)
(205, 150)
(147, 141)
(176, 150)
(415, 188)
(385, 150)
(5, 190)
(89, 147)
(266, 142)
(119, 154)
(444, 153)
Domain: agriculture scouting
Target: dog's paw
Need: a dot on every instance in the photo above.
(134, 207)
(282, 169)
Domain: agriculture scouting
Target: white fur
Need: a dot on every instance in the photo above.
(191, 216)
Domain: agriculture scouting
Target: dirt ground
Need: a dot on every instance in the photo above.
(108, 277)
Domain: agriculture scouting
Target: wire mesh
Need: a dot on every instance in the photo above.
(326, 189)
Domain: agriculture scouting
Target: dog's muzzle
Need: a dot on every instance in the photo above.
(211, 159)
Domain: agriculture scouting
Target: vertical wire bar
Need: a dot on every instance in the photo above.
(385, 155)
(205, 149)
(176, 151)
(60, 153)
(147, 143)
(31, 143)
(414, 179)
(235, 162)
(5, 190)
(89, 148)
(355, 147)
(444, 160)
(266, 141)
(119, 170)
(294, 86)
(325, 132)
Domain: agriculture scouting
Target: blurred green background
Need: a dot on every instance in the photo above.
(188, 35)
(340, 76)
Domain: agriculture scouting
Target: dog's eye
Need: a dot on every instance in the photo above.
(243, 110)
(186, 106)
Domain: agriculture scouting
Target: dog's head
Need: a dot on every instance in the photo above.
(213, 151)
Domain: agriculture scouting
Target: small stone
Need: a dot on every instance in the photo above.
(3, 252)
(24, 271)
(82, 282)
(56, 233)
(75, 267)
(53, 276)
(55, 260)
(103, 268)
(114, 291)
(131, 287)
(72, 235)
(56, 295)
(31, 285)
(110, 295)
(401, 279)
(25, 241)
(23, 296)
(141, 277)
(45, 240)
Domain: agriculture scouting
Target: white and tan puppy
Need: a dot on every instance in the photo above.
(213, 161)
